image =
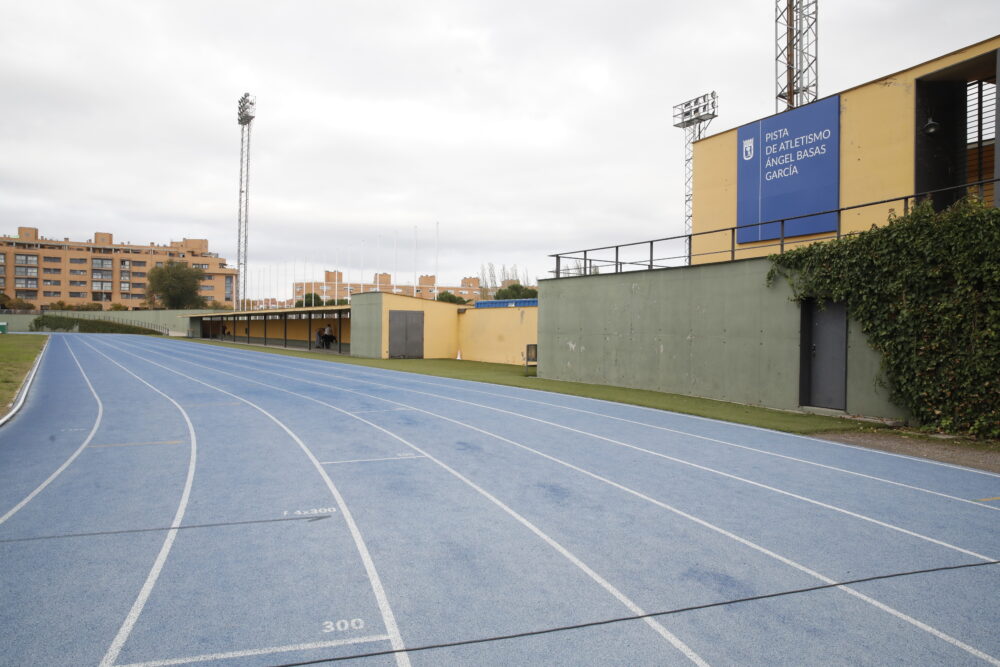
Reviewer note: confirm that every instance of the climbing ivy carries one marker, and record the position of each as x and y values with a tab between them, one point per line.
925	289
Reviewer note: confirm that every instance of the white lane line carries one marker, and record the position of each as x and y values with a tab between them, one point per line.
675	641
350	375
365	412
354	371
258	651
752	545
767	487
74	455
22	392
390	458
864	450
619	443
708	439
402	659
168	541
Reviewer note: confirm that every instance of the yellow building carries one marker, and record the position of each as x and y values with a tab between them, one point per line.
929	128
382	325
45	271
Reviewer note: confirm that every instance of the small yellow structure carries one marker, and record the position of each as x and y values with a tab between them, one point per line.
380	325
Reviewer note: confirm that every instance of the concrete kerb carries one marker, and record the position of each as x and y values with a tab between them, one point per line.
22	392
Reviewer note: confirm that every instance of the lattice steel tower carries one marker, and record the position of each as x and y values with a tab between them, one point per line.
694	116
796	42
246	111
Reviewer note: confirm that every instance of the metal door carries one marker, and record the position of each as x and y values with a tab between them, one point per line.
406	334
824	355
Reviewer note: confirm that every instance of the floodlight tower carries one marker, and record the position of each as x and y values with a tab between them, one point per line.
694	116
796	43
246	111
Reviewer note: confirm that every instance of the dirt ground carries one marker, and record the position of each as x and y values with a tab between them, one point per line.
985	456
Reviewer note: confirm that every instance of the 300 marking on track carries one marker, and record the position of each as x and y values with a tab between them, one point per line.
310	512
343	625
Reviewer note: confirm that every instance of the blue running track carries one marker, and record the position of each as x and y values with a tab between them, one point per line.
164	502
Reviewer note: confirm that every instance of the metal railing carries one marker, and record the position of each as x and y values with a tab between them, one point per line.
644	255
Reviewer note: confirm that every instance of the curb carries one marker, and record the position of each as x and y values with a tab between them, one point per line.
22	393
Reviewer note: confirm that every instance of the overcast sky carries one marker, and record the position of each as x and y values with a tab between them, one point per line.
519	128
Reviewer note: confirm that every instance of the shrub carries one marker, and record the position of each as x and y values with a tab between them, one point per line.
63	323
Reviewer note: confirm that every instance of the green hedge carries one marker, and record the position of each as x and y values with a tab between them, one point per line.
63	323
925	289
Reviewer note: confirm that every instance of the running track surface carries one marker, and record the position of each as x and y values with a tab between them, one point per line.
166	502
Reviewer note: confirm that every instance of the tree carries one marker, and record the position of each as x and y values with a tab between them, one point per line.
492	277
448	297
516	291
21	304
336	302
309	300
118	306
176	285
5	301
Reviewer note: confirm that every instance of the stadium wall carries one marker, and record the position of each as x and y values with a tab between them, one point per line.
715	331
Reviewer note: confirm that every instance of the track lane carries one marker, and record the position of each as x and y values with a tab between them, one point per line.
50	586
868	500
299	379
630	606
250	467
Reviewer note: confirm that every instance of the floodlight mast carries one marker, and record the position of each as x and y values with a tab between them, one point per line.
796	35
694	116
246	111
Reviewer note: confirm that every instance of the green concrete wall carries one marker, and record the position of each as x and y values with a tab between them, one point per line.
366	325
17	323
715	331
867	390
174	320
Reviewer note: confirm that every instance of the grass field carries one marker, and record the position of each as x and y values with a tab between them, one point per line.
17	354
514	376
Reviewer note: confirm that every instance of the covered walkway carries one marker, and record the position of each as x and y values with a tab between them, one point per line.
321	328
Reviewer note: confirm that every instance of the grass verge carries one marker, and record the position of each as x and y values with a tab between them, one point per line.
17	354
514	376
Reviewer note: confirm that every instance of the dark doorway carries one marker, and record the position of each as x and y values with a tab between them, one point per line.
406	334
956	111
823	368
940	154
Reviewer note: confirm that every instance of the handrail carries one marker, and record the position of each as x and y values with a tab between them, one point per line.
653	262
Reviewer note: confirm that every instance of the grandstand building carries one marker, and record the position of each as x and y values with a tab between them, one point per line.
45	271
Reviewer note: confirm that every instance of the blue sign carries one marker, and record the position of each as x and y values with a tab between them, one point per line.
788	166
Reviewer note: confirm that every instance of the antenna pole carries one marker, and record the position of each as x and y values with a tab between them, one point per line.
796	48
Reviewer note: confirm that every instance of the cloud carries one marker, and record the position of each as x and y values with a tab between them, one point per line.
522	129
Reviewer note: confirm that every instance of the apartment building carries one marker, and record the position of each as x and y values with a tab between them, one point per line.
333	287
44	271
